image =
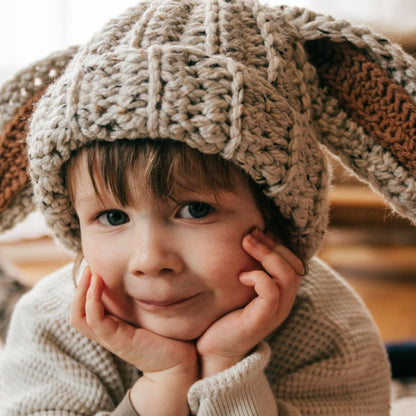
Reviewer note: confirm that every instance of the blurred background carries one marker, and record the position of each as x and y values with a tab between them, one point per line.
374	249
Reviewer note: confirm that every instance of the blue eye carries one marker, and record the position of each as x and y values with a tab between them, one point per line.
195	210
113	218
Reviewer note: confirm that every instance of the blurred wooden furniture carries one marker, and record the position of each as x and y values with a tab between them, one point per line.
375	250
364	234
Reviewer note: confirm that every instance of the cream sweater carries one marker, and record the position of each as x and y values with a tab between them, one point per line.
326	359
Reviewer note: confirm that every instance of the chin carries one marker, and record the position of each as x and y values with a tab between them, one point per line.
180	333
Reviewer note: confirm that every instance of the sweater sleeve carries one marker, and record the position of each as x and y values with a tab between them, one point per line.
240	390
48	368
328	358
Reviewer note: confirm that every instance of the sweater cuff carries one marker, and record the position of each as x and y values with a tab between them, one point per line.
240	390
125	408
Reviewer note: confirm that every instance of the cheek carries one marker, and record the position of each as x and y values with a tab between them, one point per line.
108	264
103	260
221	261
229	252
233	262
223	280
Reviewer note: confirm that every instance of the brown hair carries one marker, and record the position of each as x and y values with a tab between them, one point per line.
167	166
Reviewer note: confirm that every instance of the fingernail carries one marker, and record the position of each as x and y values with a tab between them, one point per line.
251	239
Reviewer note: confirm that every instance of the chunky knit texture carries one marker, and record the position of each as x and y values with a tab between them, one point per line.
326	359
262	87
17	98
13	172
169	72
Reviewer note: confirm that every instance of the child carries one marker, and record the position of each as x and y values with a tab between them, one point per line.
179	155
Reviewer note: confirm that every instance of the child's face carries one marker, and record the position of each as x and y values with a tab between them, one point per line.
168	266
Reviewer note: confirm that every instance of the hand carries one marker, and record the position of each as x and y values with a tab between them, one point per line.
169	366
229	339
144	349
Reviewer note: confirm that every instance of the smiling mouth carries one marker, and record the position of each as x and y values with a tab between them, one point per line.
154	305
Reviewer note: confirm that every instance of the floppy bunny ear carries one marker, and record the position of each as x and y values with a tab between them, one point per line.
364	103
17	99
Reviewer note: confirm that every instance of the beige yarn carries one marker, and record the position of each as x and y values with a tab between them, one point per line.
14	96
159	82
233	78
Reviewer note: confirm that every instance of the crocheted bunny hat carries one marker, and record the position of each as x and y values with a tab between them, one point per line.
260	86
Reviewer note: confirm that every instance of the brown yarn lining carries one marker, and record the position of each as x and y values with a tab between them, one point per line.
369	96
14	174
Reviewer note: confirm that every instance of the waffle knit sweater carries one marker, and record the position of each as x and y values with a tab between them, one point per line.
326	359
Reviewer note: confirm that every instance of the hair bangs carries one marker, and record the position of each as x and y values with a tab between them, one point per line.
165	167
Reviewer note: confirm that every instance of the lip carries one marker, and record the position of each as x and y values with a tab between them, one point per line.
169	304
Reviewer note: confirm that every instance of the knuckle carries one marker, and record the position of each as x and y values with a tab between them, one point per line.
276	262
274	292
92	322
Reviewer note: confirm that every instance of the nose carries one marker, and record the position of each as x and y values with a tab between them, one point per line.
154	253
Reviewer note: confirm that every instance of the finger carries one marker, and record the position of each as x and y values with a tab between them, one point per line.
270	241
94	307
273	303
261	312
78	307
272	261
278	262
113	333
107	328
79	299
264	286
